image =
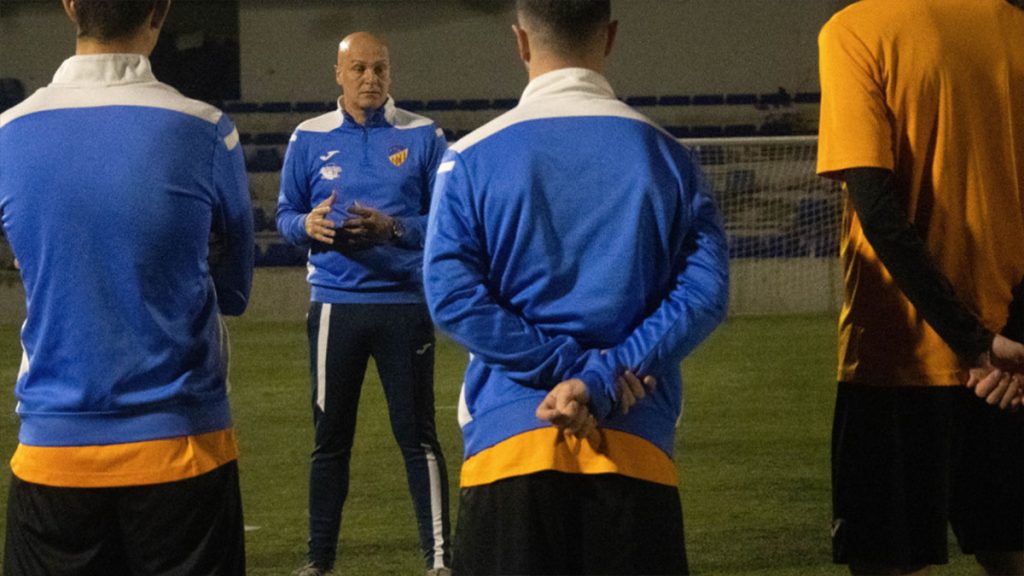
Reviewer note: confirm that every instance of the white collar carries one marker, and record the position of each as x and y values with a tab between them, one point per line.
566	81
104	70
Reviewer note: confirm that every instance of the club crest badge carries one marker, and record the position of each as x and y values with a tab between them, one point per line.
330	172
397	155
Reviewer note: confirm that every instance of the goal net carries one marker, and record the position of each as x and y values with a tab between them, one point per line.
782	221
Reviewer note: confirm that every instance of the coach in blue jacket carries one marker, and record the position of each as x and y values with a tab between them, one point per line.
574	249
356	188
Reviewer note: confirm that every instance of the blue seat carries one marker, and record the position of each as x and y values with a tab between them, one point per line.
474	104
265	160
283	255
775	99
674	100
275	107
637	101
410	105
708	100
12	92
313	107
436	105
504	103
807	98
679	131
707	131
271	138
739	130
237	107
741	99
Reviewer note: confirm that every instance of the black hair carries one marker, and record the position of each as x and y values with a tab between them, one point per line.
107	20
567	25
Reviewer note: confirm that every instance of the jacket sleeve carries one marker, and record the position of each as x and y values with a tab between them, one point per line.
231	269
463	305
416	226
694	306
293	202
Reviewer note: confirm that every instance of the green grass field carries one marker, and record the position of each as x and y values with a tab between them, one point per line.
753	451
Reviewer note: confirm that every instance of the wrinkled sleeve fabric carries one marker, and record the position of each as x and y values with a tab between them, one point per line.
462	304
293	202
416	226
233	222
693	308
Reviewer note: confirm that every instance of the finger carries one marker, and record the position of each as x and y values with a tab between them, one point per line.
546	410
996	394
585	427
1012	392
650	382
635	385
988	383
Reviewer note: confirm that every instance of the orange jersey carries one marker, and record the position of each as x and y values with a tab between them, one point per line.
934	91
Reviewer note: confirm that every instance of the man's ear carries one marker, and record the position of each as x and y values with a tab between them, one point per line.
613	29
522	43
71	10
159	15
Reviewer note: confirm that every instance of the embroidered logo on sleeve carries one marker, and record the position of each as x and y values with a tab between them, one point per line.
397	155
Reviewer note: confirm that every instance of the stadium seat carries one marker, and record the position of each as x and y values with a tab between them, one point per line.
739	130
674	100
637	101
270	138
679	131
314	107
474	104
265	160
274	107
443	105
807	98
708	100
707	131
775	129
741	99
245	138
410	105
237	107
775	99
504	103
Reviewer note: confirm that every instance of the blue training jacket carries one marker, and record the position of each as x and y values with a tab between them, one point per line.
388	163
571	237
111	184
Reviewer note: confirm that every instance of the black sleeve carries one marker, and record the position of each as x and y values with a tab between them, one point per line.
901	249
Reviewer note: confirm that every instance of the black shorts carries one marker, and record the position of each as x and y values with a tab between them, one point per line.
907	461
192	527
556	523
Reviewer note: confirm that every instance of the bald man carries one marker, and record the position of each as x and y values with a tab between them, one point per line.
355	189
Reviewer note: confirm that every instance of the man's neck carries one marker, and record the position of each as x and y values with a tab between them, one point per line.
358	114
135	45
542	64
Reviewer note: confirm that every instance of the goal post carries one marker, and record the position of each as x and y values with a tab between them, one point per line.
782	220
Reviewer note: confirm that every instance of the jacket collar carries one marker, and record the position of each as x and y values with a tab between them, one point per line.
104	70
383	116
568	82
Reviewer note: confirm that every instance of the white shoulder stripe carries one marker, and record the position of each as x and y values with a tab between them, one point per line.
446	167
323	123
231	140
150	95
439	133
554	108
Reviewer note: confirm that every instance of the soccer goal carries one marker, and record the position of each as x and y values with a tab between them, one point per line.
782	221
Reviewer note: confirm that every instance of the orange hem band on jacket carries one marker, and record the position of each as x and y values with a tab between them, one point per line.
604	452
131	464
